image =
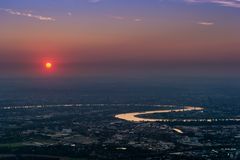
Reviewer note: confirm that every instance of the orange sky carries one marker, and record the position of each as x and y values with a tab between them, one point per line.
147	35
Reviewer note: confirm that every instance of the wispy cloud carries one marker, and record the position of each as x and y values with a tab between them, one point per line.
138	19
117	17
27	14
204	23
121	18
225	3
94	1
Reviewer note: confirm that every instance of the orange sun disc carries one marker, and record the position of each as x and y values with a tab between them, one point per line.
48	65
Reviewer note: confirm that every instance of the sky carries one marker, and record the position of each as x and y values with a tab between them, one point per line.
119	37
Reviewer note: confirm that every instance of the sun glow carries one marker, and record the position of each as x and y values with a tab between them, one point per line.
48	65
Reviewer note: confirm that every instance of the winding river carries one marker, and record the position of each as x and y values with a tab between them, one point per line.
134	117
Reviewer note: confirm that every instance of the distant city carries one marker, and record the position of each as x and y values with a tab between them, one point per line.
145	130
119	80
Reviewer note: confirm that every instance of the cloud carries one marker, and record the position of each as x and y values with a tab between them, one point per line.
121	18
138	20
225	3
206	23
94	1
118	17
28	14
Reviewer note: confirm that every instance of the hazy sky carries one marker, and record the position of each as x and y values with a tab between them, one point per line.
119	37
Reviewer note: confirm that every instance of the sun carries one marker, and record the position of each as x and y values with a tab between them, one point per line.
48	65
